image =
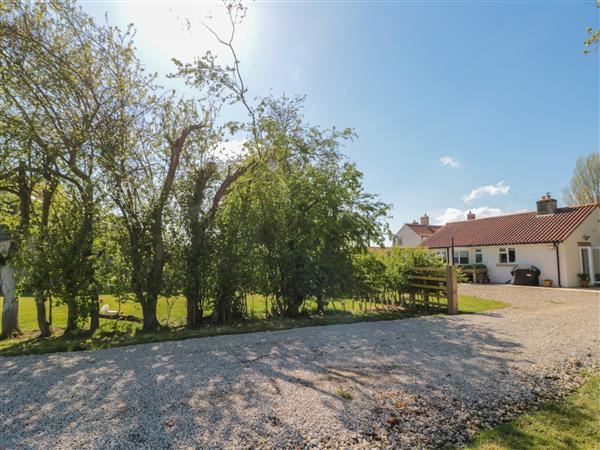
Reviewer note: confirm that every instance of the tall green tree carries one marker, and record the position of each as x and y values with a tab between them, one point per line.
53	60
212	179
312	212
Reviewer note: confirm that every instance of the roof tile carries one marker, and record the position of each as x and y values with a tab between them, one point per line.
424	230
521	228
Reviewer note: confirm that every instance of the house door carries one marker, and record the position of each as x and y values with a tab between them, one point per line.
595	265
590	263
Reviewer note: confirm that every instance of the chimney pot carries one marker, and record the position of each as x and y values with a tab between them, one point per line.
470	216
546	204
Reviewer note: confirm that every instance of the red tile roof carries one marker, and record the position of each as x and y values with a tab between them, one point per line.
423	230
522	228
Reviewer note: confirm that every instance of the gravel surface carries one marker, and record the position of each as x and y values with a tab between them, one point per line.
416	383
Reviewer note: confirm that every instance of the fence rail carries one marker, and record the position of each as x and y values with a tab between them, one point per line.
428	284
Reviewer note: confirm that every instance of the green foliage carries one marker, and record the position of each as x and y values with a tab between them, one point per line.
309	211
369	271
585	183
591	43
381	270
564	424
56	62
114	186
343	394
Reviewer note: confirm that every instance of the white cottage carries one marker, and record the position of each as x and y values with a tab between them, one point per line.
561	242
414	234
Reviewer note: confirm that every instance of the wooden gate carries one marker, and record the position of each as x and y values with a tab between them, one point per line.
429	285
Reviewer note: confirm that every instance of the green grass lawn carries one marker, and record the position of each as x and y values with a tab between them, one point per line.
572	423
171	314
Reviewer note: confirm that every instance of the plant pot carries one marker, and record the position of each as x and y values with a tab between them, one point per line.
585	283
547	283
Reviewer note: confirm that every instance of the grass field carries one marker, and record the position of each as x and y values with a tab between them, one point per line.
171	314
572	423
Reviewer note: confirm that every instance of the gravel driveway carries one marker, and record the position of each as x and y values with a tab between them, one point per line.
425	382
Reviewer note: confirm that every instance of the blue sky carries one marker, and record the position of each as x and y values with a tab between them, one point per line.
457	105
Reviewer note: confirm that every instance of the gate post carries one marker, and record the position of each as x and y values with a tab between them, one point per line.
451	290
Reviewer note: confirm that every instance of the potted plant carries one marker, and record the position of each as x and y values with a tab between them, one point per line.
547	282
585	279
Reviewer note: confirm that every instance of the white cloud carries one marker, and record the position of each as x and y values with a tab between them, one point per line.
492	190
450	161
456	215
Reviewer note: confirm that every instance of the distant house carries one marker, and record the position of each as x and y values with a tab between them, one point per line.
414	234
561	242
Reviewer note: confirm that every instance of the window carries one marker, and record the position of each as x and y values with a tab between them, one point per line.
443	255
461	257
478	256
507	256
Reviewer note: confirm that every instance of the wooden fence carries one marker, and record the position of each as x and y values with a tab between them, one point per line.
429	285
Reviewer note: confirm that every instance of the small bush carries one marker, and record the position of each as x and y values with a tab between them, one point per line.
344	394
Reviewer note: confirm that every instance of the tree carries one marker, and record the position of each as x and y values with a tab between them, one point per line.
591	43
112	184
15	195
54	62
211	181
348	222
311	211
10	307
585	182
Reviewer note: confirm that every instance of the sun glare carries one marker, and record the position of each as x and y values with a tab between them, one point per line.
178	29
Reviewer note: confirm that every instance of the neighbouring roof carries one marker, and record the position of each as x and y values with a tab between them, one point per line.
522	228
423	230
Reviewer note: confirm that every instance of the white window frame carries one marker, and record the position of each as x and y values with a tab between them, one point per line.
506	251
457	257
478	253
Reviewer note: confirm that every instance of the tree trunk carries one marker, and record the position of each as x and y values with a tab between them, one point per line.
140	281
153	282
94	314
321	303
193	311
71	318
293	308
43	324
24	197
149	312
87	236
47	196
10	306
197	250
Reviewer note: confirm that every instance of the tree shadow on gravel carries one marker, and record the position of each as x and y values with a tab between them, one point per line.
255	390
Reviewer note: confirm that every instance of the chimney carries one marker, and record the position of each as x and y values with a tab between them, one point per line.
470	216
425	220
546	204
